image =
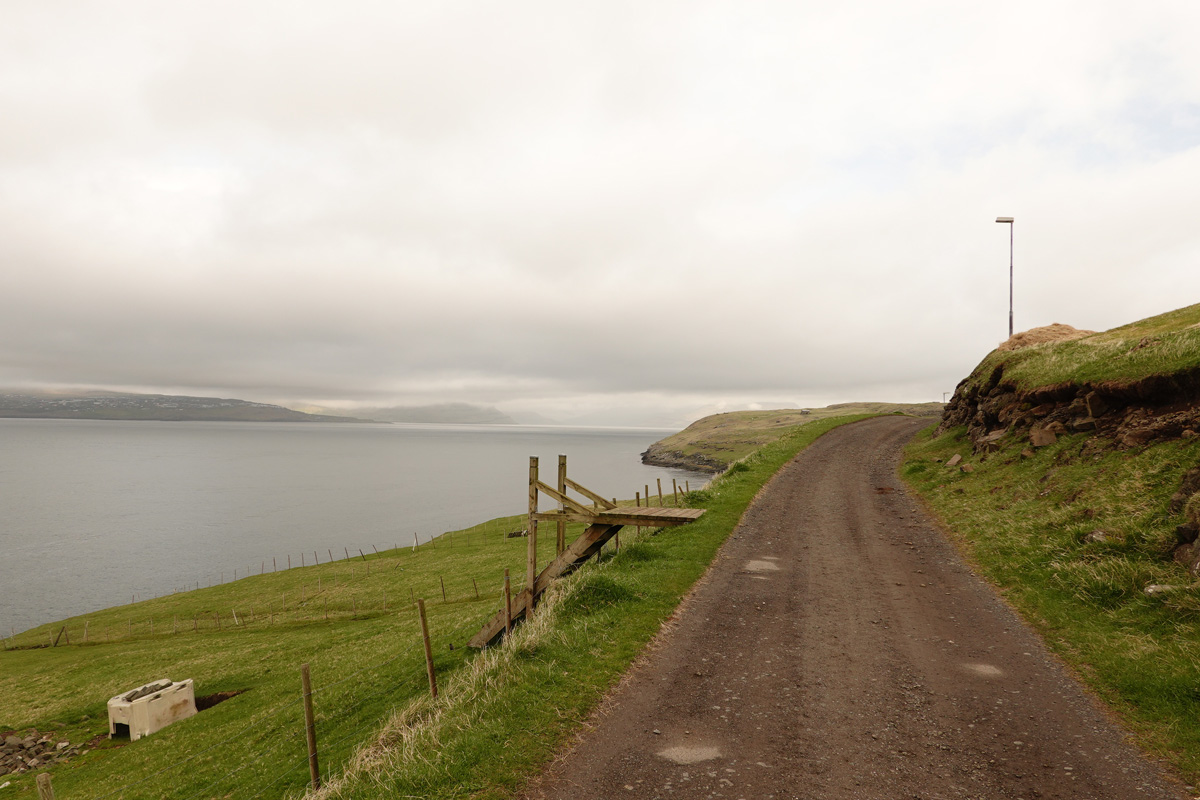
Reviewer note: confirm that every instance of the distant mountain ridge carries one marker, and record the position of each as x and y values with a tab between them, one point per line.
154	407
444	413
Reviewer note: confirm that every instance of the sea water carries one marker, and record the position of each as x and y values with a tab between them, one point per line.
97	513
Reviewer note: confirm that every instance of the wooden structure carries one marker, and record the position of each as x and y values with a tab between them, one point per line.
604	519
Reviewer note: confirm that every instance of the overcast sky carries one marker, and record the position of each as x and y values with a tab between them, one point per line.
636	211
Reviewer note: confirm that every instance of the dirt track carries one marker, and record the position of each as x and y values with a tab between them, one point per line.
840	648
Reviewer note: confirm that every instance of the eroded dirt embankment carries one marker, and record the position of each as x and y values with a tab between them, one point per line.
1155	409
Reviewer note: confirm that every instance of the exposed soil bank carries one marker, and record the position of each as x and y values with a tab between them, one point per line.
1155	409
839	648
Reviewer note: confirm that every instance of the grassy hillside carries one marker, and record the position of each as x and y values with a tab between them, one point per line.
1162	345
500	715
1079	534
716	441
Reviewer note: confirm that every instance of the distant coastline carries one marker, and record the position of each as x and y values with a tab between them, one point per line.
150	407
185	408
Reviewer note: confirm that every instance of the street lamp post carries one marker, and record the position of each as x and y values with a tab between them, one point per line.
1009	221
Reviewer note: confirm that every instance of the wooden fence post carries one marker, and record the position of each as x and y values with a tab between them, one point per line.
562	489
45	789
531	545
310	728
675	491
507	606
428	649
443	583
660	502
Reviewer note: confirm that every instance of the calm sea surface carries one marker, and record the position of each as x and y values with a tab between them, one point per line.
95	512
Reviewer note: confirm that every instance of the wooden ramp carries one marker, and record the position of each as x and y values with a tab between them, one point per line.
604	520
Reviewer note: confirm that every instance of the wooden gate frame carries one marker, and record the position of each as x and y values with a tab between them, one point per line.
604	519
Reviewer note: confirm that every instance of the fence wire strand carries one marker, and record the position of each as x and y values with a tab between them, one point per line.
209	749
286	738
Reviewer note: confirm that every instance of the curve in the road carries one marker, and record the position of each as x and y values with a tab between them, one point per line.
839	647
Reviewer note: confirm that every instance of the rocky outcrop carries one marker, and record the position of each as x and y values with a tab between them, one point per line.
1155	409
1122	416
658	456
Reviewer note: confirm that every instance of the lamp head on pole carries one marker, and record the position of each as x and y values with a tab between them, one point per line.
1004	219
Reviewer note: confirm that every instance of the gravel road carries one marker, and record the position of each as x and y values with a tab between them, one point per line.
840	648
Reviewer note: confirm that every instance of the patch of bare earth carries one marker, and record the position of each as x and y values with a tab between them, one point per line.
1057	332
840	648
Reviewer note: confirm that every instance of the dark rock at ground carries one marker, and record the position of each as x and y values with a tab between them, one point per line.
34	750
658	456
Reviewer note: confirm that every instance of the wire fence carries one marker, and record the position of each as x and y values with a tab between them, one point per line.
273	743
270	750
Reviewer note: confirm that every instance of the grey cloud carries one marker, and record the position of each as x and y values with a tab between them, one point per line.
580	206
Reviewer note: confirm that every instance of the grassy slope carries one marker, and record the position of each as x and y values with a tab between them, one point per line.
500	717
1172	345
1025	523
1029	524
727	437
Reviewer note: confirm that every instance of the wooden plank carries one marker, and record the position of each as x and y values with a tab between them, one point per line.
626	515
563	499
588	493
584	547
495	626
615	517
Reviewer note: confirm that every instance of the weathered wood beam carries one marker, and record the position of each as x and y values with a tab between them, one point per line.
588	493
562	498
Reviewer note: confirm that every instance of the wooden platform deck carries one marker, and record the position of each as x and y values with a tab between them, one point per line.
645	516
604	520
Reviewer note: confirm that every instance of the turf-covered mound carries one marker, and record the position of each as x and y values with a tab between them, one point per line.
1130	386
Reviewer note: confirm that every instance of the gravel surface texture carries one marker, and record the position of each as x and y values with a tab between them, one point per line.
839	647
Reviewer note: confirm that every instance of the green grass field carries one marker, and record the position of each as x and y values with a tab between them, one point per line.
500	717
